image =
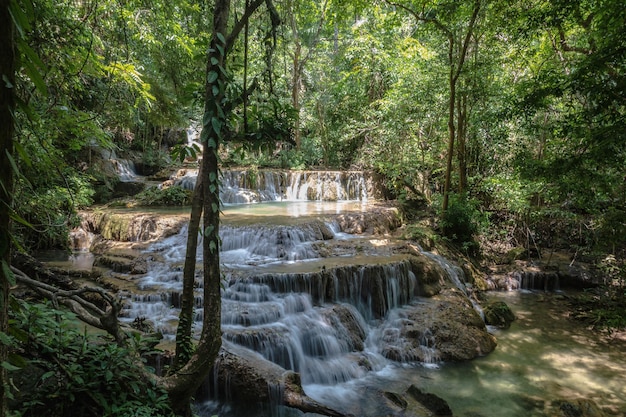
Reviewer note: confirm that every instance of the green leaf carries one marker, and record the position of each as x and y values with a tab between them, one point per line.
9	367
216	90
220	49
12	162
214	60
212	246
212	176
24	155
206	119
47	375
6	271
217	125
30	67
221	38
220	111
214	207
212	77
209	229
20	19
212	144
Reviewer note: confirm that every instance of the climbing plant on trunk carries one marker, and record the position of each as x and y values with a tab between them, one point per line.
206	204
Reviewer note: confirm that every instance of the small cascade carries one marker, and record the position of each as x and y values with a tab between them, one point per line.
537	280
289	331
457	276
193	136
241	186
390	342
125	168
373	290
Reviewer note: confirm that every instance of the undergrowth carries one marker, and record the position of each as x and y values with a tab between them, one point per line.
57	370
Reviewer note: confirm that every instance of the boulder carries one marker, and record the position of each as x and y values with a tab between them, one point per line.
437	405
445	327
575	408
243	376
430	275
346	319
378	221
498	313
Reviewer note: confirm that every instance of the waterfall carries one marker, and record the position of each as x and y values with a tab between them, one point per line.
457	276
314	322
255	186
125	168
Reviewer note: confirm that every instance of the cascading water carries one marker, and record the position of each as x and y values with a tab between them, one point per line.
241	186
125	168
345	319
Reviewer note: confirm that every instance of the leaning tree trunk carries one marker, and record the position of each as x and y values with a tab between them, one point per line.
7	108
184	382
184	342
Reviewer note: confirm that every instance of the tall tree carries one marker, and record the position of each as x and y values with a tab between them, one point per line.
298	11
7	110
457	25
206	203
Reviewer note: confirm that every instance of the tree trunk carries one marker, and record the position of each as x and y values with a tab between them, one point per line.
461	135
185	319
7	108
451	129
455	72
295	91
183	384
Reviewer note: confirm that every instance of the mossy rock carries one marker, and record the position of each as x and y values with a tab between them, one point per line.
498	313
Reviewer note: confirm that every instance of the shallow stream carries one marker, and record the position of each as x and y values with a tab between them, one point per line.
543	357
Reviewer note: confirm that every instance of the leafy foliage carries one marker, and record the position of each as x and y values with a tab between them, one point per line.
462	222
171	196
75	373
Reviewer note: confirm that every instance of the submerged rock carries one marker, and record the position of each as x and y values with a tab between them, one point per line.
437	405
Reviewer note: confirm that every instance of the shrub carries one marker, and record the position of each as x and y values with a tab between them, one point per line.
171	196
462	221
74	373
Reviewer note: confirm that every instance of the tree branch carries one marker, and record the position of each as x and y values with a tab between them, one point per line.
85	310
241	23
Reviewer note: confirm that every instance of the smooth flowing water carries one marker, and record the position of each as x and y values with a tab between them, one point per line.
276	253
543	357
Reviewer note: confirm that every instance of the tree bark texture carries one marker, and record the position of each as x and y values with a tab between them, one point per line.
7	126
185	318
182	385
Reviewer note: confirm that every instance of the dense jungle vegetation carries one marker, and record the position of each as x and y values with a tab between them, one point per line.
506	118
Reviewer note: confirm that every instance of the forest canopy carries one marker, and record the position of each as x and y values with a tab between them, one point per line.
537	111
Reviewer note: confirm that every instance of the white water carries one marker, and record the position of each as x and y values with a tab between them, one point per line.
243	186
542	357
125	168
282	315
